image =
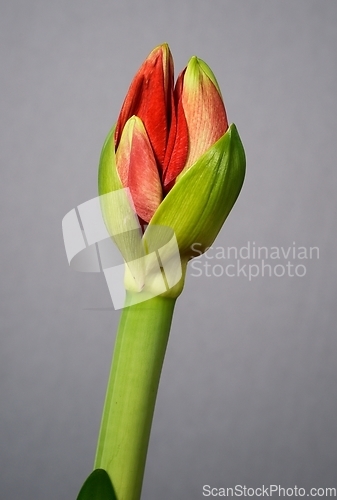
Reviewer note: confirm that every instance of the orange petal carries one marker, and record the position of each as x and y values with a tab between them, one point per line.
137	168
203	107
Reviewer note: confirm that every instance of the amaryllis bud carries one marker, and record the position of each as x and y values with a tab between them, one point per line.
173	149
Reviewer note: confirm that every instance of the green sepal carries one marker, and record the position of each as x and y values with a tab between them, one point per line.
117	209
97	486
200	201
108	179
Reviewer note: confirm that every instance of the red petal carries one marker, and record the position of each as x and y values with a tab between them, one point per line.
149	97
137	169
177	147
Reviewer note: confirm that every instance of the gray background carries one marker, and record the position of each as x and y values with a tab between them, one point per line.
249	387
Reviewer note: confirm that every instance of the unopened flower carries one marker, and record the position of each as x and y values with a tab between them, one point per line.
173	149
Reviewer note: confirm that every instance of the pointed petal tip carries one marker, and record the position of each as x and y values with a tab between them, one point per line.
197	69
162	50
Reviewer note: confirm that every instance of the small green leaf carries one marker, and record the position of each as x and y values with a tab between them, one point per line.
97	486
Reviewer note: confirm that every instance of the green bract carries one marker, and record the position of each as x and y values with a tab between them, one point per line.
118	214
200	201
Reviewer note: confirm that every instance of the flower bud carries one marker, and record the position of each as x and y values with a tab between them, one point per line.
173	149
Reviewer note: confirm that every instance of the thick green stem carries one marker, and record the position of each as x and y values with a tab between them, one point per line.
131	394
